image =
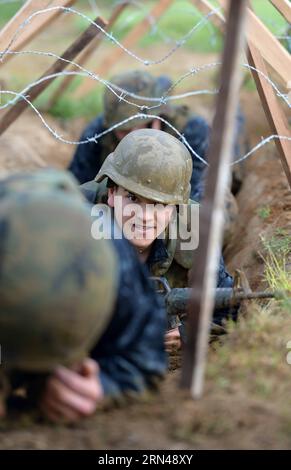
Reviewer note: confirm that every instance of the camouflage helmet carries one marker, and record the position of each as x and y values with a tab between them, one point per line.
140	83
57	284
152	164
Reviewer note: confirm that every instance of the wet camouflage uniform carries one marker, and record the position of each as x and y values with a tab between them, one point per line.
140	148
63	294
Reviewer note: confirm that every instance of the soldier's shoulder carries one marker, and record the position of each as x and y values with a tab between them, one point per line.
95	192
196	124
89	190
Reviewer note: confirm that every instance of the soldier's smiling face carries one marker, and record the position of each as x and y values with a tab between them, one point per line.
141	219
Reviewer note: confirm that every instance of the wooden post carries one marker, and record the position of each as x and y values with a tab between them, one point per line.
84	56
284	7
205	7
29	32
273	111
129	42
271	49
78	45
206	257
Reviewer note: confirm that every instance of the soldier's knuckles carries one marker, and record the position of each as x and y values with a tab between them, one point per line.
91	366
55	390
95	390
89	407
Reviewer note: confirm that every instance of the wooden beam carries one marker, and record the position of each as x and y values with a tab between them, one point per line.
129	42
284	7
217	18
78	45
273	111
29	32
268	45
206	257
84	56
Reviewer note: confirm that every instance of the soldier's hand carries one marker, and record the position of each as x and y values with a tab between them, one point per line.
173	340
70	395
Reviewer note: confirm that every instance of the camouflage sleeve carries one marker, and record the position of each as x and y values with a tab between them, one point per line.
224	279
85	163
131	352
197	133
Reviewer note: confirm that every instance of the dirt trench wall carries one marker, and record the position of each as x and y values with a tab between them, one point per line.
28	145
264	207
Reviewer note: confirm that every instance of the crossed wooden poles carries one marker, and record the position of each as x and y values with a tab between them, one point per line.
262	48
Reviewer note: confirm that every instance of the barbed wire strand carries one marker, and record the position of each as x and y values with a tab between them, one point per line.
83	74
124	93
149	17
153	22
260	145
109	35
192	71
161	100
96	137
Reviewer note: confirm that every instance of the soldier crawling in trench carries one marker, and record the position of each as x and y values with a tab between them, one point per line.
77	383
151	168
89	157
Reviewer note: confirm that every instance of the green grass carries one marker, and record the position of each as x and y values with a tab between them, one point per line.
7	10
253	356
277	256
270	16
66	107
178	20
264	212
279	243
253	350
175	23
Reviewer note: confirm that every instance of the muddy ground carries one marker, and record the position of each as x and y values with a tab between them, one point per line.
231	414
170	420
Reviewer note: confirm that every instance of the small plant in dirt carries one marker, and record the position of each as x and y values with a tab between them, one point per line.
277	258
264	212
252	357
280	242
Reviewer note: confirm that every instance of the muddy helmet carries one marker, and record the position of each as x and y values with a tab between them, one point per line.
152	164
141	84
57	284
